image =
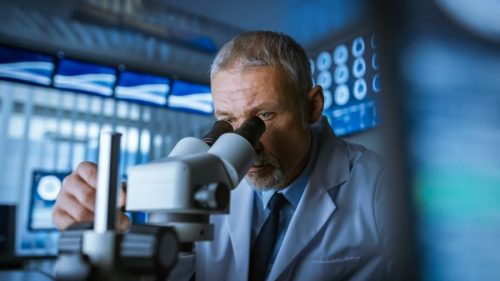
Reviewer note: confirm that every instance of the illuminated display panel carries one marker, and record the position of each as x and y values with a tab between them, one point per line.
85	77
26	66
44	190
191	97
142	88
348	71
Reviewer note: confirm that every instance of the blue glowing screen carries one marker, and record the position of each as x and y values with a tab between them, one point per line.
348	71
143	88
191	97
44	190
26	66
85	77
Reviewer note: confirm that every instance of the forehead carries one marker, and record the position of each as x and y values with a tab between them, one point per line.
250	86
243	78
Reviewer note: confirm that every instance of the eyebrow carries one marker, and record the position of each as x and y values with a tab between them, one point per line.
219	113
262	106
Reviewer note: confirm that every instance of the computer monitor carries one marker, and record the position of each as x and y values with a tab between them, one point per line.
26	66
348	71
39	236
142	88
85	77
191	97
44	190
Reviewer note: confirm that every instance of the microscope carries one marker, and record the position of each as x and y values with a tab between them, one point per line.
178	192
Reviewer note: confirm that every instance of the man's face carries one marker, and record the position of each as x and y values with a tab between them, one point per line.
239	94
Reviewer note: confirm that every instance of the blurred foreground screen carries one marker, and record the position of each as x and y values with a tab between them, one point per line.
445	63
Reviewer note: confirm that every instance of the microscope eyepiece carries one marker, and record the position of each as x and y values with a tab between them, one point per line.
219	128
252	129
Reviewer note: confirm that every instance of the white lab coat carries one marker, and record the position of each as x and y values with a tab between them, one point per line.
334	234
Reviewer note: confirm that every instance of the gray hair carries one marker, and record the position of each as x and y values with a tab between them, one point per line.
267	48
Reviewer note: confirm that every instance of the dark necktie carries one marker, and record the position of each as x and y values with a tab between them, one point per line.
264	245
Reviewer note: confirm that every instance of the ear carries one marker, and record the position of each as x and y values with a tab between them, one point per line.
316	101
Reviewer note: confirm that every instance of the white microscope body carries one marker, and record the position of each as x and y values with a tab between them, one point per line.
195	180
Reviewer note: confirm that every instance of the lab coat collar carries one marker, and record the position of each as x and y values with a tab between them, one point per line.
316	206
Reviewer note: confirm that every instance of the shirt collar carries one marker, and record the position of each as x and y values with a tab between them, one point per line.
293	192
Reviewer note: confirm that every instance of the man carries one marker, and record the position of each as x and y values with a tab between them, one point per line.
328	224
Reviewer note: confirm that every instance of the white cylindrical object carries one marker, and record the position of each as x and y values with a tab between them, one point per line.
236	153
189	145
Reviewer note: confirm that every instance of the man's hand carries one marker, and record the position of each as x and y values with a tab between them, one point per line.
76	201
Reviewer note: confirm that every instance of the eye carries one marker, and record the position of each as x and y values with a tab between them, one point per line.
223	118
266	115
230	120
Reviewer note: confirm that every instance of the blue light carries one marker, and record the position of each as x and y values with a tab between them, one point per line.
340	55
350	104
324	79
341	74
26	66
358	47
143	88
341	95
360	89
45	187
359	67
191	97
85	77
376	83
324	61
375	61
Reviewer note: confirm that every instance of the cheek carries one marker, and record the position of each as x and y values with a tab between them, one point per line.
279	142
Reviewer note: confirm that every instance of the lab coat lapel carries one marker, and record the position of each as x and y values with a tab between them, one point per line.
316	206
239	225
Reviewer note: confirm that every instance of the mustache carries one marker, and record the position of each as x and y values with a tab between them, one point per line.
263	160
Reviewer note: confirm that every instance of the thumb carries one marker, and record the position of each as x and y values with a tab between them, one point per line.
123	222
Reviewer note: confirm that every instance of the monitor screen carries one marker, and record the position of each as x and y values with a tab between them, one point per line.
142	88
26	66
191	97
348	71
85	77
44	190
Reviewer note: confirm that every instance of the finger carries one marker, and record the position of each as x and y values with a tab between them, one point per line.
74	208
123	221
61	219
88	172
81	190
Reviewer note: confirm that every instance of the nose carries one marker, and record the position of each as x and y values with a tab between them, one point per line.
258	147
236	124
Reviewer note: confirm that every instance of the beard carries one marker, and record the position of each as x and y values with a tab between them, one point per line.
268	177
